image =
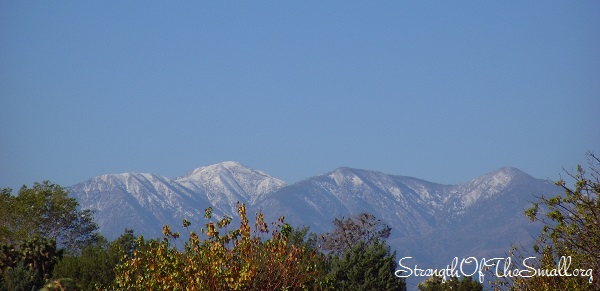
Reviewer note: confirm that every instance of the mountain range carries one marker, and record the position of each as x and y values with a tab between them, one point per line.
430	222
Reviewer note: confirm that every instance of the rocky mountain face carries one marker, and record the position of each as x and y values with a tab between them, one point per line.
430	222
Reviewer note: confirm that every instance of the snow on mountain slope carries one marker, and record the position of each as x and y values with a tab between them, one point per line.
227	183
461	197
146	202
430	222
317	201
483	218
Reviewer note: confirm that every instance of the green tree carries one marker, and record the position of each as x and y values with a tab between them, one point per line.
21	277
366	267
28	264
359	258
7	221
46	210
125	245
94	267
571	230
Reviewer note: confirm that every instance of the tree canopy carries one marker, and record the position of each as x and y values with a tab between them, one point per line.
571	232
366	267
216	259
45	210
38	226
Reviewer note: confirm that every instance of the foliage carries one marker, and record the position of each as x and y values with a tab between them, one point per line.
94	267
359	258
29	264
234	260
435	284
124	245
7	221
571	230
348	232
21	277
300	236
45	210
63	285
366	266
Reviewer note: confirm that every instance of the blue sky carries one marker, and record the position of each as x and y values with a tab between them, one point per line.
440	90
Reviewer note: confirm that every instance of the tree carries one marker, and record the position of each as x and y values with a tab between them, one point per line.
29	264
45	210
124	245
359	258
21	277
435	284
237	259
348	232
571	230
366	266
7	222
94	267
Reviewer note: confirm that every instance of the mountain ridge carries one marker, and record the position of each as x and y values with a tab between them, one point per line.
455	219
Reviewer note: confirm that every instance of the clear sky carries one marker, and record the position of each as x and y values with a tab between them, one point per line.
440	90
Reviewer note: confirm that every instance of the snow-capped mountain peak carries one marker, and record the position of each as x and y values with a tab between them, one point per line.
145	201
229	182
233	176
486	186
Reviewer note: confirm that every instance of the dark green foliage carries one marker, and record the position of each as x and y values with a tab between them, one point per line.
359	258
6	220
28	264
301	237
94	267
366	267
464	284
125	244
21	277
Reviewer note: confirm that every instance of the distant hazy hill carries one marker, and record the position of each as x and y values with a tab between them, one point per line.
430	222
